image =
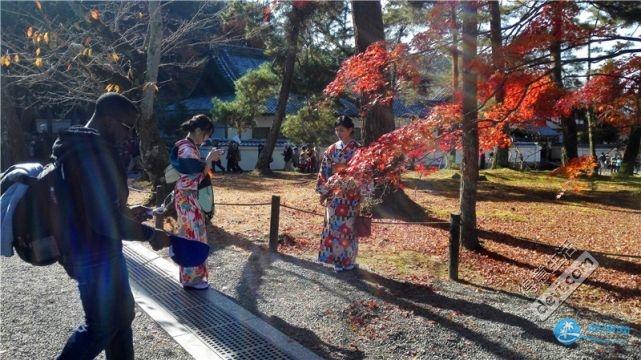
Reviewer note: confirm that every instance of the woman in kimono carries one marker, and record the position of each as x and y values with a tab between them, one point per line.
191	220
339	245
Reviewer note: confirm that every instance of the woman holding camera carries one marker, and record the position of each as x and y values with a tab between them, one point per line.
191	219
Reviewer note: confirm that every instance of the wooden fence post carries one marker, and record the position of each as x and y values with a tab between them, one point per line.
455	232
159	215
273	224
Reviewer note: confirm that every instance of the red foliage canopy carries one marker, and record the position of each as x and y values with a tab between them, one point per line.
528	97
612	94
368	73
555	23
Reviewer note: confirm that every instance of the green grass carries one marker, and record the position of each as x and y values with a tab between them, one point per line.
439	213
405	262
539	180
618	184
543	180
502	215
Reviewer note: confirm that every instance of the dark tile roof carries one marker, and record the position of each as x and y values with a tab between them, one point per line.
400	108
235	61
544	131
403	110
203	104
294	103
347	108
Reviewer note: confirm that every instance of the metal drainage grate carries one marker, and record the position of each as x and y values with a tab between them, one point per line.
133	256
140	273
224	334
259	353
205	316
159	285
234	338
180	300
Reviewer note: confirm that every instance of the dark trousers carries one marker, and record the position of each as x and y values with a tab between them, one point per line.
232	166
109	311
219	164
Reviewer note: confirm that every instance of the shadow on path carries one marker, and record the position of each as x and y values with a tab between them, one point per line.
622	292
604	260
407	296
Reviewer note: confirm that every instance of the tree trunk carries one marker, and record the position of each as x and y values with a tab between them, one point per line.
153	151
470	164
13	149
454	49
589	115
367	17
570	143
454	52
288	74
631	151
568	125
500	158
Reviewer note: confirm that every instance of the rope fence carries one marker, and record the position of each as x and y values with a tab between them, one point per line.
373	221
302	210
159	217
454	225
233	204
409	222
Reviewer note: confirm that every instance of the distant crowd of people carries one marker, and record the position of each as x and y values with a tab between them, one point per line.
611	164
305	159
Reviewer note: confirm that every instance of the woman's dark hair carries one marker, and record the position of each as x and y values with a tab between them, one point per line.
344	121
200	121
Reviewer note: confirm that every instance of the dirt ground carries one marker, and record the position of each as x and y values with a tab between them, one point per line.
521	225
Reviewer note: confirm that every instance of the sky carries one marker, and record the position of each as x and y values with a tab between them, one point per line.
632	31
584	16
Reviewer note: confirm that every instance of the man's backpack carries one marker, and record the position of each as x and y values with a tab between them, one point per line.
36	216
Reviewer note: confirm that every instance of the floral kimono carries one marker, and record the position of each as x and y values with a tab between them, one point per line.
339	245
191	220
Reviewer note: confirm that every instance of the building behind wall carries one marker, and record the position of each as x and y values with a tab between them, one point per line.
227	64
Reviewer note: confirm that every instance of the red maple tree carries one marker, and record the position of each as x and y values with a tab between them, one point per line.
531	95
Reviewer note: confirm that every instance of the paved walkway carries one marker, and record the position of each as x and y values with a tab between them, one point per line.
338	316
40	308
206	323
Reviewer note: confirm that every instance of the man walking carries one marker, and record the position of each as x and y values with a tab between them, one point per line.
233	157
288	156
94	193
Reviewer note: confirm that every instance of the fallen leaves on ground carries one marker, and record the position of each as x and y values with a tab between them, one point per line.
520	222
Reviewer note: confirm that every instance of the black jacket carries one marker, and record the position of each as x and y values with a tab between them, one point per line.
288	154
94	196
